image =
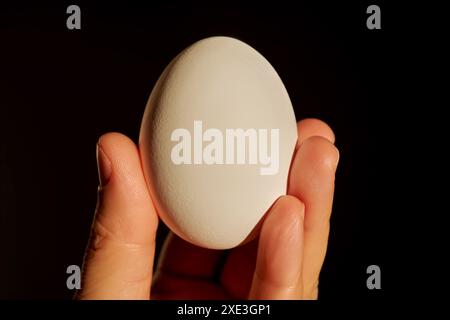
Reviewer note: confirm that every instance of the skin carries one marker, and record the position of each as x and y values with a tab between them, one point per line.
283	262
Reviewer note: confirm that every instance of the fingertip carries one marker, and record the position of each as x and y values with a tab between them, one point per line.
280	252
112	140
318	153
314	127
120	149
126	168
288	210
124	202
283	224
324	153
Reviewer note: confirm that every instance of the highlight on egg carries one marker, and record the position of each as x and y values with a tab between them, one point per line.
217	139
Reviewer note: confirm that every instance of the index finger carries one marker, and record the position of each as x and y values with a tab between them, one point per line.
312	180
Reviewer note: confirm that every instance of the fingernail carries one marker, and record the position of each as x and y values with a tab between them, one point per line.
337	159
104	166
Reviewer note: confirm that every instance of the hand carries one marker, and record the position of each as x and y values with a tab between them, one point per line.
284	262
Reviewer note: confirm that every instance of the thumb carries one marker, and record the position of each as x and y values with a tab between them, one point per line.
119	258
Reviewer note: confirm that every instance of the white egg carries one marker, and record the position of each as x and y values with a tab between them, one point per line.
217	140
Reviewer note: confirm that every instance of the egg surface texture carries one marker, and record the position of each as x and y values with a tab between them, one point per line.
217	139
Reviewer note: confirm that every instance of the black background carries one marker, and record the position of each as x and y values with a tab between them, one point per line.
61	89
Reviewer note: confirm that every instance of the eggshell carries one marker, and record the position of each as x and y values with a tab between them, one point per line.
224	84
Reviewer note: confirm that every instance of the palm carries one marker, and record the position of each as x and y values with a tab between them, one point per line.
189	272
